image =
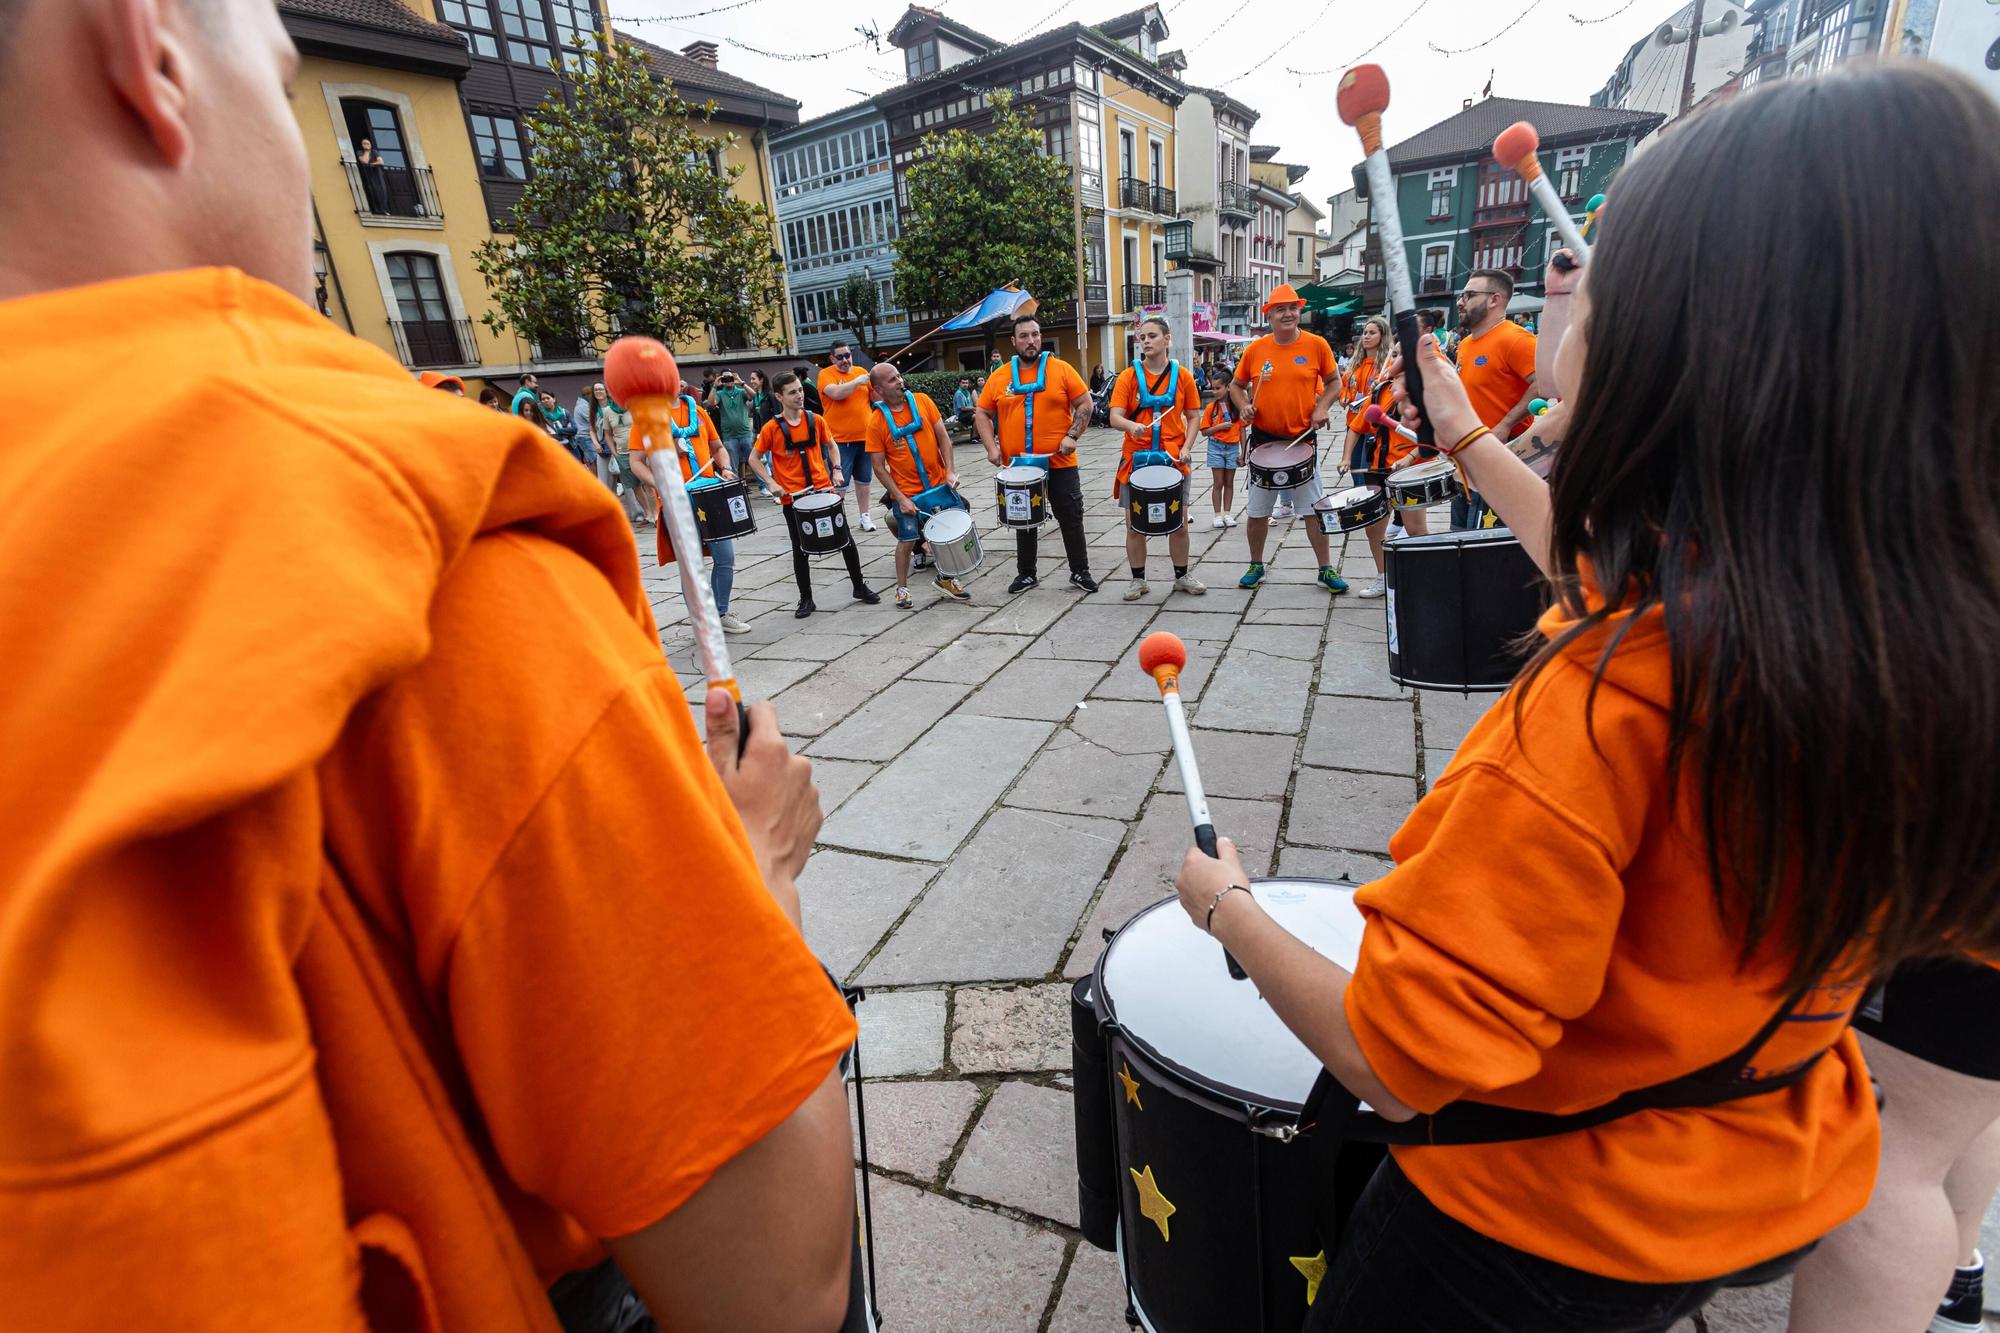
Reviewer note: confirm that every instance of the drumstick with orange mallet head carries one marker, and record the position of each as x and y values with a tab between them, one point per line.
1515	148
641	373
1161	656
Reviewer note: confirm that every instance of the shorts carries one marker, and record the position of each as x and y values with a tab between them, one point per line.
1944	1011
907	527
1260	502
1223	457
856	463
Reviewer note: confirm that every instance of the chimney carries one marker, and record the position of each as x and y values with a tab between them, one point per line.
702	53
1466	105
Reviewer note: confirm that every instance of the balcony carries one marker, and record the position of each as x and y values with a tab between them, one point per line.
1232	197
1238	291
395	196
424	343
566	346
1165	202
1139	294
1133	193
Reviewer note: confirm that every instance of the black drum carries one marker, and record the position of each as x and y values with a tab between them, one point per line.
1191	1162
1280	467
1458	604
1023	492
1156	500
819	523
1356	507
721	509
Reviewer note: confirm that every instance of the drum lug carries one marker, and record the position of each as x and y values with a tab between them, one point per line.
1274	1125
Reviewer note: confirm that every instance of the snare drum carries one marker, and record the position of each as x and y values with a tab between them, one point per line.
1355	507
1156	500
721	509
1458	605
954	542
1024	495
1421	485
1280	467
819	523
1189	1090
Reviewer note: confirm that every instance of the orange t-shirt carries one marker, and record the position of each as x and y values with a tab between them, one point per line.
846	417
347	705
1299	372
1496	368
902	469
794	468
1578	954
707	446
1173	426
1356	386
1219	421
1062	388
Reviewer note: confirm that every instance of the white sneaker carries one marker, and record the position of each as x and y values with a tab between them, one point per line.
1220	522
1283	509
1191	585
1375	587
731	625
1228	520
1135	590
867	523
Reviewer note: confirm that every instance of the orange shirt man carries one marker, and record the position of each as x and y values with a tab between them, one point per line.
700	454
1165	423
360	851
1036	404
915	457
843	392
799	449
1496	363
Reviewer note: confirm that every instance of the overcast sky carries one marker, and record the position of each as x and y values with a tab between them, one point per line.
1247	48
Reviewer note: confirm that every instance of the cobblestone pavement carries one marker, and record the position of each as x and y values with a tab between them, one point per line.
998	789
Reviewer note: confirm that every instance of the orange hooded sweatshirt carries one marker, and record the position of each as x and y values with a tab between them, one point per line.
351	974
1548	940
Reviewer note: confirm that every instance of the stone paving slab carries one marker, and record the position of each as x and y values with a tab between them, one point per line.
1093	1294
1046	689
765	678
902	1033
1358	811
1294	641
838	779
1202	625
926	800
1125	728
889	722
939	623
1029	612
1257	692
946	1266
1004	906
971	659
1124	680
1319	863
810	647
817	704
1358	668
1376	736
1238	763
912	1127
1076	776
1094	633
1021	1028
848	903
1447	717
1022	1153
1152	858
1435	764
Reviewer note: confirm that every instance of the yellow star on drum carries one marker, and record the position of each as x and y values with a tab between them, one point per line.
1313	1268
1153	1204
1131	1086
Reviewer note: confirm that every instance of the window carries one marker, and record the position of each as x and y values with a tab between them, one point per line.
1437	268
1301	252
921	59
1131	260
1501	188
526	31
498	142
1570	163
1127	151
574	19
474	18
1055	142
428	334
1154	151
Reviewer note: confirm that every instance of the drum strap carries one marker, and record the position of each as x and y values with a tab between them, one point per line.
684	436
1028	391
907	435
1154	401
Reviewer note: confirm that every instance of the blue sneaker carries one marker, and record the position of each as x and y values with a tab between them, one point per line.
1329	578
1252	576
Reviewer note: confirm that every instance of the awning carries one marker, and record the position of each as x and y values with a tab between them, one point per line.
1229	339
1000	303
1330	300
1524	304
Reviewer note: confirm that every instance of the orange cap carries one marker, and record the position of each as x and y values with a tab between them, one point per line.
1283	294
436	379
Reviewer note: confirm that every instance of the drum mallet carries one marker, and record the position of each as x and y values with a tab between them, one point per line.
1515	148
1161	656
640	372
1381	420
1362	97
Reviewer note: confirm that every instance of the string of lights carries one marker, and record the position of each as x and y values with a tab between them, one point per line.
1478	46
1581	20
1294	37
1042	22
1349	63
692	14
1220	26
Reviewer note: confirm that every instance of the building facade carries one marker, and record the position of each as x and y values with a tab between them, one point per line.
1303	239
1218	197
1797	37
1461	210
1653	74
837	219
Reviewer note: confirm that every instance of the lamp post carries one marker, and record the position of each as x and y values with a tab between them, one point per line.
322	264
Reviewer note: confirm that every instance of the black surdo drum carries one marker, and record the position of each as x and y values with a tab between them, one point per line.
1458	603
1156	500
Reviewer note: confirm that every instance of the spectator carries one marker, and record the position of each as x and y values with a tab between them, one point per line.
601	460
437	379
490	397
374	176
807	377
964	401
1100	405
531	408
732	407
585	443
614	437
560	425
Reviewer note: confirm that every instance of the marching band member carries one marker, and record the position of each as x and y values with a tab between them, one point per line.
1375	454
1154	402
909	436
799	447
697	447
1035	404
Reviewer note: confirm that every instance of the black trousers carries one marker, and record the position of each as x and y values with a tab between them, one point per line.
802	563
1066	500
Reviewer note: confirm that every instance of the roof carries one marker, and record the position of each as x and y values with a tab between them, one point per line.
1222	99
385	15
1263	152
916	14
683	72
1130	21
916	89
1471	132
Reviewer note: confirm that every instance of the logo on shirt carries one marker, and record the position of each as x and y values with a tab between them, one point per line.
1298	361
1478	360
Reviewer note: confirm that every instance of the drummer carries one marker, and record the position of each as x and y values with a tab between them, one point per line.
1295	398
1374	454
1670	852
800	449
1033	385
1156	404
907	433
699	447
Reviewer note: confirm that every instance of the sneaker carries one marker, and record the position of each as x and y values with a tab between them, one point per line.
1281	510
1081	579
1191	585
1229	520
903	602
922	560
806	608
1252	576
1022	582
949	586
1136	589
731	625
867	523
1959	1311
864	593
1220	522
1374	588
1329	578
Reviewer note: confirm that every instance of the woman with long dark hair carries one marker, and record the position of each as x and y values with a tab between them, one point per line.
1751	768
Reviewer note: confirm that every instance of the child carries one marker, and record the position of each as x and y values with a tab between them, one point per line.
1224	433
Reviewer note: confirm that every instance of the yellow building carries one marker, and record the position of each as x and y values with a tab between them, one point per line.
1140	199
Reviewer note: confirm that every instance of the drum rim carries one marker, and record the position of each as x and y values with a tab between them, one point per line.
1030	476
970	525
1237	1103
1307	451
823	500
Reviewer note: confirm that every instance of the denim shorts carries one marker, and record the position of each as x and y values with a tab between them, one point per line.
1223	456
907	527
856	463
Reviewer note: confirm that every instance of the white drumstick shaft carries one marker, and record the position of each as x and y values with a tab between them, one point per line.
1552	204
678	514
1177	728
1389	230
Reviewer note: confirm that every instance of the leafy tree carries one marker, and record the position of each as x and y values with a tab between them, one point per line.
986	209
627	215
858	304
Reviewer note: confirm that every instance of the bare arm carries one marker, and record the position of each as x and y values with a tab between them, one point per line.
1558	286
1239	399
943	440
1519	410
840	392
982	426
758	466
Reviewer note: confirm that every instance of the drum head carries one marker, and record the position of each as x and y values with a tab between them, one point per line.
1354	497
1020	476
1436	467
1165	981
1281	455
813	504
1157	478
947	526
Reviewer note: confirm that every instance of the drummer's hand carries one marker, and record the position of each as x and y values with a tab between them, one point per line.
772	789
1560	281
951	480
993	457
1068	446
1203	876
905	505
839	482
1445	402
1319	417
726	475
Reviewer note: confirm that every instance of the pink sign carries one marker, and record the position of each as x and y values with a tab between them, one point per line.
1204	317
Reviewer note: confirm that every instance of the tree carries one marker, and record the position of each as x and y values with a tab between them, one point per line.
626	216
858	302
986	209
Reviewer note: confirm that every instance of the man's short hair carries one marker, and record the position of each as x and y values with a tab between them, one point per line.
786	381
1019	320
838	345
1499	277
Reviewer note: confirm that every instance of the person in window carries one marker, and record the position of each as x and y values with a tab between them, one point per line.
374	176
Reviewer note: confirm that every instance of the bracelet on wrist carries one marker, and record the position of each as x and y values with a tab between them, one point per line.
1470	437
1209	923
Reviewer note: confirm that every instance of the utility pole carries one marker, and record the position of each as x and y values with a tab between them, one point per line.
1694	41
1082	268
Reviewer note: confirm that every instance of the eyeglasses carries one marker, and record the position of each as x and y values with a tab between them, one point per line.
1468	294
843	356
